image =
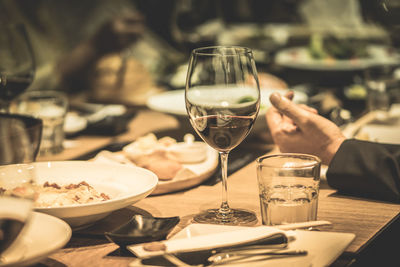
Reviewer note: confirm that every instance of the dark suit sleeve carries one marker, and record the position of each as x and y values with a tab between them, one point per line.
366	169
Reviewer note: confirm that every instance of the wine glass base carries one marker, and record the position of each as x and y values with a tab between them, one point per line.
236	217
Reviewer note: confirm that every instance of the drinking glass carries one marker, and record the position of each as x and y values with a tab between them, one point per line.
289	187
17	65
51	106
222	99
19	144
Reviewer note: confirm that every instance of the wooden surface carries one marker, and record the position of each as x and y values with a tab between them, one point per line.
365	218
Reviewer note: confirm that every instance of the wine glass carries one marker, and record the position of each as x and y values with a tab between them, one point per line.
17	64
222	100
19	144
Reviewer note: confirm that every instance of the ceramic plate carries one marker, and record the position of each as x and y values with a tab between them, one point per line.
124	184
299	58
202	171
381	133
173	102
43	236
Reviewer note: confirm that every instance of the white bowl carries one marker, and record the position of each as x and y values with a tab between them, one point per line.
124	184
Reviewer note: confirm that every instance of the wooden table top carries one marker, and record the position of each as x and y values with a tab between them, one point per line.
365	218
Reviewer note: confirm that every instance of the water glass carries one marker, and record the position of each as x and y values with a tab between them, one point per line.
288	187
50	106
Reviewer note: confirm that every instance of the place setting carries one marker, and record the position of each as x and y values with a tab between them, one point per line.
70	197
288	188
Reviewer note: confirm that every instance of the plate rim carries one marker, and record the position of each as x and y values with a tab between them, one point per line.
150	102
54	245
189	182
318	65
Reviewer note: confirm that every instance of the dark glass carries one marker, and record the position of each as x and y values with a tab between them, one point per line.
20	137
17	64
9	229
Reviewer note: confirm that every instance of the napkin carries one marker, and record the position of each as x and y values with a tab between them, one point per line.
237	237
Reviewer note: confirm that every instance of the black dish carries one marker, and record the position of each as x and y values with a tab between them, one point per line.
141	229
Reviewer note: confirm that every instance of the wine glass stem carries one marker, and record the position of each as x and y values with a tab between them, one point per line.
224	210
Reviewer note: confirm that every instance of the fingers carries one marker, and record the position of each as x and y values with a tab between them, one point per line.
289	95
288	108
274	118
308	108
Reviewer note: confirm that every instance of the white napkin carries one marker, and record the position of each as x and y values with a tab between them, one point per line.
209	241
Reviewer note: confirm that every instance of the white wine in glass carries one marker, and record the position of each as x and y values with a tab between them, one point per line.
222	99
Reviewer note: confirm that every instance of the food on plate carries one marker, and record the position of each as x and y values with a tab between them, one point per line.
159	162
188	151
152	153
106	156
165	156
333	47
55	195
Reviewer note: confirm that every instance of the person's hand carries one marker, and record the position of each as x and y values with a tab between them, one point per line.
118	34
299	129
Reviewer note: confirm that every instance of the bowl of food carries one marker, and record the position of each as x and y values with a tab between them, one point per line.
83	192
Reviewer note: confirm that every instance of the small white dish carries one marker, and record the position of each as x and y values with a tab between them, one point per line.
44	235
74	123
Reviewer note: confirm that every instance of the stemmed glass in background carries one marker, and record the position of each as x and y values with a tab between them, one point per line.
17	65
19	144
222	100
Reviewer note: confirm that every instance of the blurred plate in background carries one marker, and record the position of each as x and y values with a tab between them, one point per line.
300	58
173	103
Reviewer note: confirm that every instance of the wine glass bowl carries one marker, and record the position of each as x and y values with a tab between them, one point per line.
222	98
17	64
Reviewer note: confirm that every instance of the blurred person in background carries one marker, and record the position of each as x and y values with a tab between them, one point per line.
102	48
355	167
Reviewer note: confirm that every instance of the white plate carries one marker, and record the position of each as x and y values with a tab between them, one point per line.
124	184
43	236
381	133
299	58
202	170
323	247
74	123
173	102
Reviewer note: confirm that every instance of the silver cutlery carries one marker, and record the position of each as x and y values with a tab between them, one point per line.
231	256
